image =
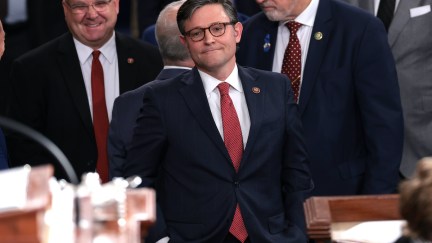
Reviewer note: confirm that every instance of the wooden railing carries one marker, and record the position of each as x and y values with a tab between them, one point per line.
322	212
122	216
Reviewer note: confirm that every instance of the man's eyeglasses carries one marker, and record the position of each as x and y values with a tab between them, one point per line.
82	8
216	29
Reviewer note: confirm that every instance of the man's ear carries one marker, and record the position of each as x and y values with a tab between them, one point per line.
238	30
183	40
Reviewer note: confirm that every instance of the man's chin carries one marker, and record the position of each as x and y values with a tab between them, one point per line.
272	16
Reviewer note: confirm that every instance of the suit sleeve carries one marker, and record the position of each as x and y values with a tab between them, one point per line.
116	146
3	152
296	177
377	92
145	154
27	106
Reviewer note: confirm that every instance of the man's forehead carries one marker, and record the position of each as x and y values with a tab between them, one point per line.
207	15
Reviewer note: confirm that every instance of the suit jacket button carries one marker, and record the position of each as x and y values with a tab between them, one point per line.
236	183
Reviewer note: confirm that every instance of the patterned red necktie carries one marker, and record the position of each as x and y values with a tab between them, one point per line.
234	143
100	116
291	65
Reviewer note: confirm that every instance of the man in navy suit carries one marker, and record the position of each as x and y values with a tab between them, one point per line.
409	37
127	106
349	99
52	90
179	147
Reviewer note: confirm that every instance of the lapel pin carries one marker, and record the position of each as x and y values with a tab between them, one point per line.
318	35
130	60
256	90
267	44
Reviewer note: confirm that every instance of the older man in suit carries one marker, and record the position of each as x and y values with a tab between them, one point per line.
66	88
409	36
346	83
222	143
127	106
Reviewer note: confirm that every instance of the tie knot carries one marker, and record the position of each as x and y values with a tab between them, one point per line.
224	88
293	26
96	54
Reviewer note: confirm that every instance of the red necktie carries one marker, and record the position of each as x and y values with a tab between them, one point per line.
234	143
100	116
291	65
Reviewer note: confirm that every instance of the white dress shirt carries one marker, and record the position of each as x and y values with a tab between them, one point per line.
237	96
307	19
108	59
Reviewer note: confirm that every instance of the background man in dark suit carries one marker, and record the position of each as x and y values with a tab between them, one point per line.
349	98
127	106
212	174
409	36
148	12
52	84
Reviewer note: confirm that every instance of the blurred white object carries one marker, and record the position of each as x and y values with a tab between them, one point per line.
14	183
368	232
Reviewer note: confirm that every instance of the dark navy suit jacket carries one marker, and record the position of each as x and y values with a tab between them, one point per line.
3	152
349	100
125	112
177	142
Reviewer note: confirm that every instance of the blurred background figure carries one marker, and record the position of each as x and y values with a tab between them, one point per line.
416	204
409	37
3	150
2	40
127	106
28	24
65	89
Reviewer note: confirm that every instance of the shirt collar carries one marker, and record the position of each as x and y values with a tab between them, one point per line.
307	17
176	67
210	83
108	50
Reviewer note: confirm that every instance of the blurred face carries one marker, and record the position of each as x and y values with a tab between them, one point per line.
282	10
213	55
92	25
2	40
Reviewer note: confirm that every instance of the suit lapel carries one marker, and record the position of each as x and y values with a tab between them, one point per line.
71	69
194	95
316	52
127	64
255	104
400	19
269	33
